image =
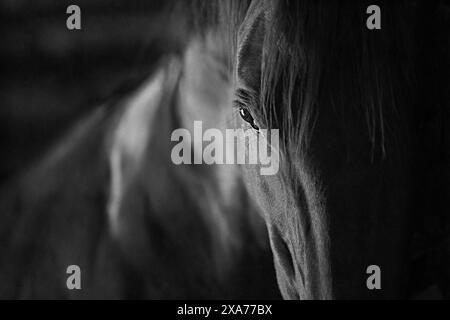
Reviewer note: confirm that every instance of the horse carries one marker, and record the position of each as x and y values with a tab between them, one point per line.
108	199
362	118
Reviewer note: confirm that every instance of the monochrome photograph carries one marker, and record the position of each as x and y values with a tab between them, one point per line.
225	150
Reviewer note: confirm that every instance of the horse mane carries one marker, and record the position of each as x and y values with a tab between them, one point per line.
320	53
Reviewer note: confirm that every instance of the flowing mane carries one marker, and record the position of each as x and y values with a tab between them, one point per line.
324	48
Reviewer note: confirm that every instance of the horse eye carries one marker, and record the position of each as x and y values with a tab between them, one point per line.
246	116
